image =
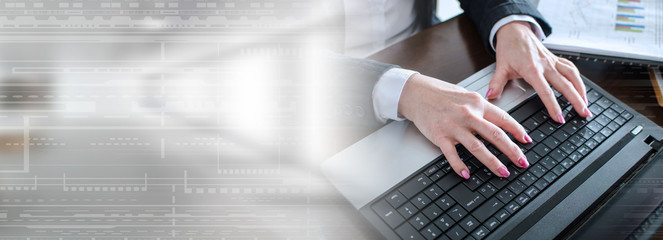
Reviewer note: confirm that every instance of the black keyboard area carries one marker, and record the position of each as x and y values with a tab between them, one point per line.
436	203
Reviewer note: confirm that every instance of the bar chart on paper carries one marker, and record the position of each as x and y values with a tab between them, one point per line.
618	28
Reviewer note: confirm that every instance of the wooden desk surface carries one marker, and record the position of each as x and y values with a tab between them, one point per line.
452	51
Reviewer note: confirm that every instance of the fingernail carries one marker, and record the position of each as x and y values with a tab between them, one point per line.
523	162
528	139
588	113
505	173
560	118
465	174
490	90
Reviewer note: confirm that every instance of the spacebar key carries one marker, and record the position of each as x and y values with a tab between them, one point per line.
528	109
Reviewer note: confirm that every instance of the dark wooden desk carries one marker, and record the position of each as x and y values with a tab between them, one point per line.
452	51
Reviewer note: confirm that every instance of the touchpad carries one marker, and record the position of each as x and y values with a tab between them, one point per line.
514	92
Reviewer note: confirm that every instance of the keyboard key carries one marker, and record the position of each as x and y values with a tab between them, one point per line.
570	128
527	178
480	233
561	135
540	117
420	201
594	126
541	183
617	108
388	213
550	177
432	211
548	162
604	102
484	174
567	147
449	181
406	231
620	121
596	109
627	115
487	190
505	195
584	150
538	136
558	170
407	210
610	113
542	149
592	96
491	224
469	223
527	110
445	202
433	192
516	187
577	140
473	182
431	232
502	215
414	186
547	128
532	157
444	222
613	126
591	144
431	170
602	120
457	212
558	155
567	163
456	233
575	156
419	221
537	170
522	199
396	199
512	207
532	191
606	131
551	142
488	209
437	175
531	124
466	198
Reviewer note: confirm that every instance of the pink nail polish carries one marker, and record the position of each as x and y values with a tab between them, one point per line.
502	170
528	139
588	113
465	174
490	90
523	162
560	118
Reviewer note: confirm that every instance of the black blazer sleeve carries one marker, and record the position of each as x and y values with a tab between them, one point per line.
485	13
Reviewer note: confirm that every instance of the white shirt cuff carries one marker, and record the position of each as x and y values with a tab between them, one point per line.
387	93
536	28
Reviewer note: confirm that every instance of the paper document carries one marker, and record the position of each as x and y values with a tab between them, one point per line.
619	28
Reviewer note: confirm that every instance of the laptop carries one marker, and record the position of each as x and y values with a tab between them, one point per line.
579	183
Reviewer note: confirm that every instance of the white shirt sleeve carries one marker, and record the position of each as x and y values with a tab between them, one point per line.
387	93
512	18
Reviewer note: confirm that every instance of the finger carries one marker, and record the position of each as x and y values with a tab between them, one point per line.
496	85
546	94
449	151
503	120
569	70
566	88
500	140
476	148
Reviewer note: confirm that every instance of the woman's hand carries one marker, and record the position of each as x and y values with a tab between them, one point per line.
448	114
520	54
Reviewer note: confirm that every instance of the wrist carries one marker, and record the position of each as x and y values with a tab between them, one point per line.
515	28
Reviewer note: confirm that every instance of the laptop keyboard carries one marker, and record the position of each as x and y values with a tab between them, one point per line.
437	204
